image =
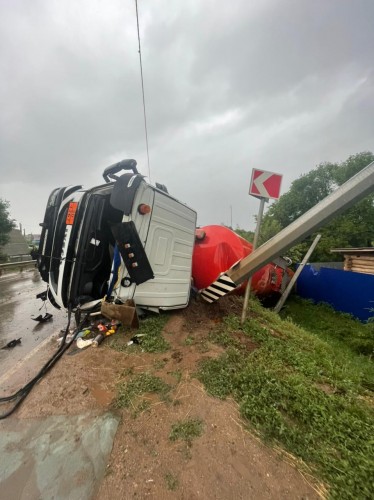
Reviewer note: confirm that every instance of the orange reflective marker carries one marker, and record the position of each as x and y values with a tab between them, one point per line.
73	205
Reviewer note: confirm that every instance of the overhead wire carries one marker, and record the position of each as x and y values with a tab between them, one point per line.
143	93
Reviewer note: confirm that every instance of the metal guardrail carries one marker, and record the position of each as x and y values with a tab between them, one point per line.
17	266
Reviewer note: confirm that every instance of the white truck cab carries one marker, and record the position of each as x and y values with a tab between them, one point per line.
124	239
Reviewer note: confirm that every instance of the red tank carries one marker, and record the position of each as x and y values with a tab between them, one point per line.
217	248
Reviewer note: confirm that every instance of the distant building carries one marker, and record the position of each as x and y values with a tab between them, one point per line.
17	249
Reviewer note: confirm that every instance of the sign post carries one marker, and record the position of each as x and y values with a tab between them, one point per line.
264	185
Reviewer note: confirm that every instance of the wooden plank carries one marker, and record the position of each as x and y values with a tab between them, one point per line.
359	263
366	268
363	250
362	261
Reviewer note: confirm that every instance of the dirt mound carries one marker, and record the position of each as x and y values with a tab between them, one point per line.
225	461
200	311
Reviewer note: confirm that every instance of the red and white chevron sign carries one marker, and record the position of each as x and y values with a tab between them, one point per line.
265	184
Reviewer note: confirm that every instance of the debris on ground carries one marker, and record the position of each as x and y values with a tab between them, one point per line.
12	343
43	319
125	313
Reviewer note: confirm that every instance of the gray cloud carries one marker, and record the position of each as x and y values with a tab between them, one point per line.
279	85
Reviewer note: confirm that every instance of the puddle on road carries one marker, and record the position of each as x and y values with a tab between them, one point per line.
18	303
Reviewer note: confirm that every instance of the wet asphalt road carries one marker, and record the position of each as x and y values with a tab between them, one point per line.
17	306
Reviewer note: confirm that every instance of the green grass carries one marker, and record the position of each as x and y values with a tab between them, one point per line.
159	364
303	392
144	383
201	344
171	481
186	430
190	340
331	326
152	341
177	374
141	407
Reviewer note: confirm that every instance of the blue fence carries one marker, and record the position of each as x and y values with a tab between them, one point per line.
344	290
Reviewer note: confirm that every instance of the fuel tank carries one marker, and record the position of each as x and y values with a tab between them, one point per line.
217	248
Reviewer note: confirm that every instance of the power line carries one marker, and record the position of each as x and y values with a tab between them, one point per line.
142	79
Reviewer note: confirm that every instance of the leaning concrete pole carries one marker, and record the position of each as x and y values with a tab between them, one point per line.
356	188
290	285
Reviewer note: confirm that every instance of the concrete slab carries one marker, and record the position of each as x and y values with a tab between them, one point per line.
57	457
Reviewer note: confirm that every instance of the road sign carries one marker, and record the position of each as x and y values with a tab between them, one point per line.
265	184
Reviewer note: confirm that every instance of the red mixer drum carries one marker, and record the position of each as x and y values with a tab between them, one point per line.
217	248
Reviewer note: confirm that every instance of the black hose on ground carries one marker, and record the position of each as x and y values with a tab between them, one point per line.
22	393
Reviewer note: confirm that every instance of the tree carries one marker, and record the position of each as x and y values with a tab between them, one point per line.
6	223
354	228
247	235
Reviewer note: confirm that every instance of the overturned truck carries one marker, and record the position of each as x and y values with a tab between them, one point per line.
126	239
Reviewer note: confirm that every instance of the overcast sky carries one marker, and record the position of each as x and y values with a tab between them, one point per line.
280	85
